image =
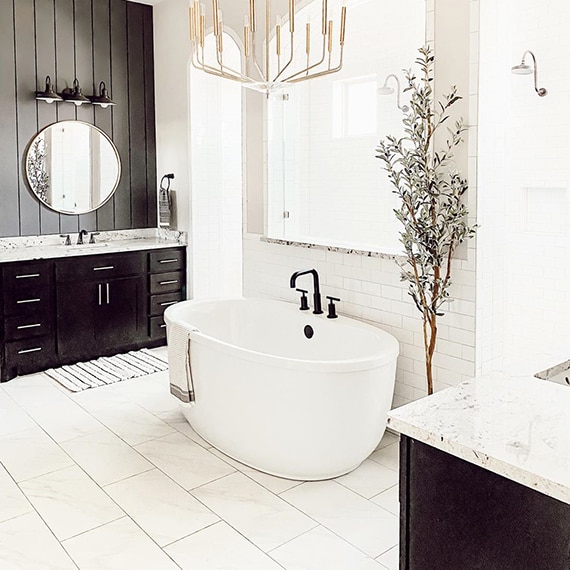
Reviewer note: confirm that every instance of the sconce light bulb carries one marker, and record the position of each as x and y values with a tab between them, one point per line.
104	105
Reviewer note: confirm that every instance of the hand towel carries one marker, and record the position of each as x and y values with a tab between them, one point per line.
180	369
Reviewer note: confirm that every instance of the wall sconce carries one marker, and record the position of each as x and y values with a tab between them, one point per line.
48	95
525	69
386	90
103	99
74	94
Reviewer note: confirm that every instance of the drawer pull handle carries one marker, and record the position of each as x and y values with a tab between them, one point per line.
34	326
162	326
30	275
165	304
30	350
167	260
168	282
103	268
28	301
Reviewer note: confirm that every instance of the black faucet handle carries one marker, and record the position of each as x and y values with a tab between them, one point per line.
332	307
92	236
67	238
304	301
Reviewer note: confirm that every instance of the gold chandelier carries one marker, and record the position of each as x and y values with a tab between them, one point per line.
272	70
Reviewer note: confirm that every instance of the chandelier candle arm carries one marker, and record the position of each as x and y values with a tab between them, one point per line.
267	68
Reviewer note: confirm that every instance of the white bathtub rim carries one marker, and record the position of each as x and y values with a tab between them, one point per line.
390	346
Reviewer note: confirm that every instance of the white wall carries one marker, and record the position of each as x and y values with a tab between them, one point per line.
524	197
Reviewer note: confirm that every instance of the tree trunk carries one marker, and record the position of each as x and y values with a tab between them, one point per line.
430	338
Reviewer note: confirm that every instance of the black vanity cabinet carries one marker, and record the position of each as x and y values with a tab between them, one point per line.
65	310
100	304
28	323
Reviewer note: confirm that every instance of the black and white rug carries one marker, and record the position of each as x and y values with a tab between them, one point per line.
108	370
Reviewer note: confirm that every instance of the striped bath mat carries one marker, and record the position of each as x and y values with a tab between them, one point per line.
108	370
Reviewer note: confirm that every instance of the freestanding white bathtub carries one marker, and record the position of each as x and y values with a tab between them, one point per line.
268	396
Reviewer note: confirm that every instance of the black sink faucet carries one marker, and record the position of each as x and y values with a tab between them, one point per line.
80	236
317	310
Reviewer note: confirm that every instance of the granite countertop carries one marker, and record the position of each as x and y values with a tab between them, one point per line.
51	246
515	427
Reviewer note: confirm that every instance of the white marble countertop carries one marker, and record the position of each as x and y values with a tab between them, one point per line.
516	427
52	246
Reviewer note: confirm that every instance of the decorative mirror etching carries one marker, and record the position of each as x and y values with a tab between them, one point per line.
72	167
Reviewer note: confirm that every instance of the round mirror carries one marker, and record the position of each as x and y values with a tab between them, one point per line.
72	167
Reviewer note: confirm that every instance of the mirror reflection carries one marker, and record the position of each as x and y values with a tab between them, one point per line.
72	167
324	183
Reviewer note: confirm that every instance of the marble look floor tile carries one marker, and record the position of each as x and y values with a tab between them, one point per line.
388	456
15	419
69	502
13	502
132	423
34	390
389	500
164	510
64	420
105	457
319	549
274	484
119	545
357	520
30	453
369	479
26	543
148	393
388	439
7	403
189	464
390	559
219	547
176	419
259	515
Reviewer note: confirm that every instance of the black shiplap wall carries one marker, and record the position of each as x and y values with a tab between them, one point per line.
93	40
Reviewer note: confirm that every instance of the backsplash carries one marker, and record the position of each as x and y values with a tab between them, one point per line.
370	289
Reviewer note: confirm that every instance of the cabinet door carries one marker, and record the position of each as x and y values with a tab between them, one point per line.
120	314
77	304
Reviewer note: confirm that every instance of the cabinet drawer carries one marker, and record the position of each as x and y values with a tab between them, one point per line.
166	282
27	326
28	302
156	327
158	303
166	260
30	355
99	266
26	277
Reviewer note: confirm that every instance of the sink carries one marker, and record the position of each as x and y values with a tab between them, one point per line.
86	248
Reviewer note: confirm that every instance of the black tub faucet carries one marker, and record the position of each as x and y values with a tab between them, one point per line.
317	309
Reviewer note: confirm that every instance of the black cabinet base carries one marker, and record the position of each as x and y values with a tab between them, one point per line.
459	516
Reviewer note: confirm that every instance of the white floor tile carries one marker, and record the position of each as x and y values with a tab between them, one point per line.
274	484
26	543
30	453
388	456
259	515
219	547
13	502
119	545
389	500
148	393
357	520
388	439
369	479
164	510
15	419
176	419
69	502
105	457
390	559
131	423
65	420
189	464
320	549
34	390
